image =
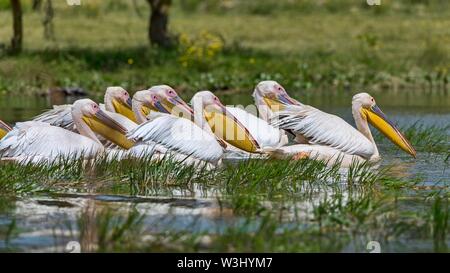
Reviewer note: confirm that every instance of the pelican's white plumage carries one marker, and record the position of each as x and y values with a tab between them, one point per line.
180	135
61	115
321	128
38	141
265	134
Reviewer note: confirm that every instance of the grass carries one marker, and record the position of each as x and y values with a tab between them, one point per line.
304	46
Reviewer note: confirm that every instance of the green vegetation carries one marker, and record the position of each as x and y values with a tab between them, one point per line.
231	45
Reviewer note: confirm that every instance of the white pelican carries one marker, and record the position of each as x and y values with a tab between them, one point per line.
36	141
331	136
4	129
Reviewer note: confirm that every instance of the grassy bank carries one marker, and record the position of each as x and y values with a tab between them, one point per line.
314	46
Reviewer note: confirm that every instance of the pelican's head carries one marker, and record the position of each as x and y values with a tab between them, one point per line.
224	124
369	111
273	95
118	100
148	101
171	102
100	122
208	100
4	129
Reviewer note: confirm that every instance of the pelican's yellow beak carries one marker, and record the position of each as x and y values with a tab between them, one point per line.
4	129
278	102
124	108
176	106
108	128
225	126
379	120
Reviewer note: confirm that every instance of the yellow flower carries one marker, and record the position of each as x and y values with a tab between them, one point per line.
130	61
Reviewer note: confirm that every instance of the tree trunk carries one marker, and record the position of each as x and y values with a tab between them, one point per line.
37	5
159	18
16	41
48	21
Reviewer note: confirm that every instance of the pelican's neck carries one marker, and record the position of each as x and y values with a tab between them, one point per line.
199	117
108	100
363	127
137	110
264	110
83	128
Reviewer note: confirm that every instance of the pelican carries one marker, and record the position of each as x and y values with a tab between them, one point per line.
4	129
36	141
330	136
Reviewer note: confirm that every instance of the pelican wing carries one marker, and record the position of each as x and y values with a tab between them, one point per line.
265	134
180	135
60	116
38	139
323	129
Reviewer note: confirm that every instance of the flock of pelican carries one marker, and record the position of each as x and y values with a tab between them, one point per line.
158	122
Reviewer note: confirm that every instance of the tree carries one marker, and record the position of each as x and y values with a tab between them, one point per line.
48	21
36	5
16	41
158	21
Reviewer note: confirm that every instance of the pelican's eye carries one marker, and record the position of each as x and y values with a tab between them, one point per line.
155	98
170	92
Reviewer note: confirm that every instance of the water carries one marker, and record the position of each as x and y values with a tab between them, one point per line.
49	222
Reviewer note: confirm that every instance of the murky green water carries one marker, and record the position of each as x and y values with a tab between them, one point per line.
48	222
